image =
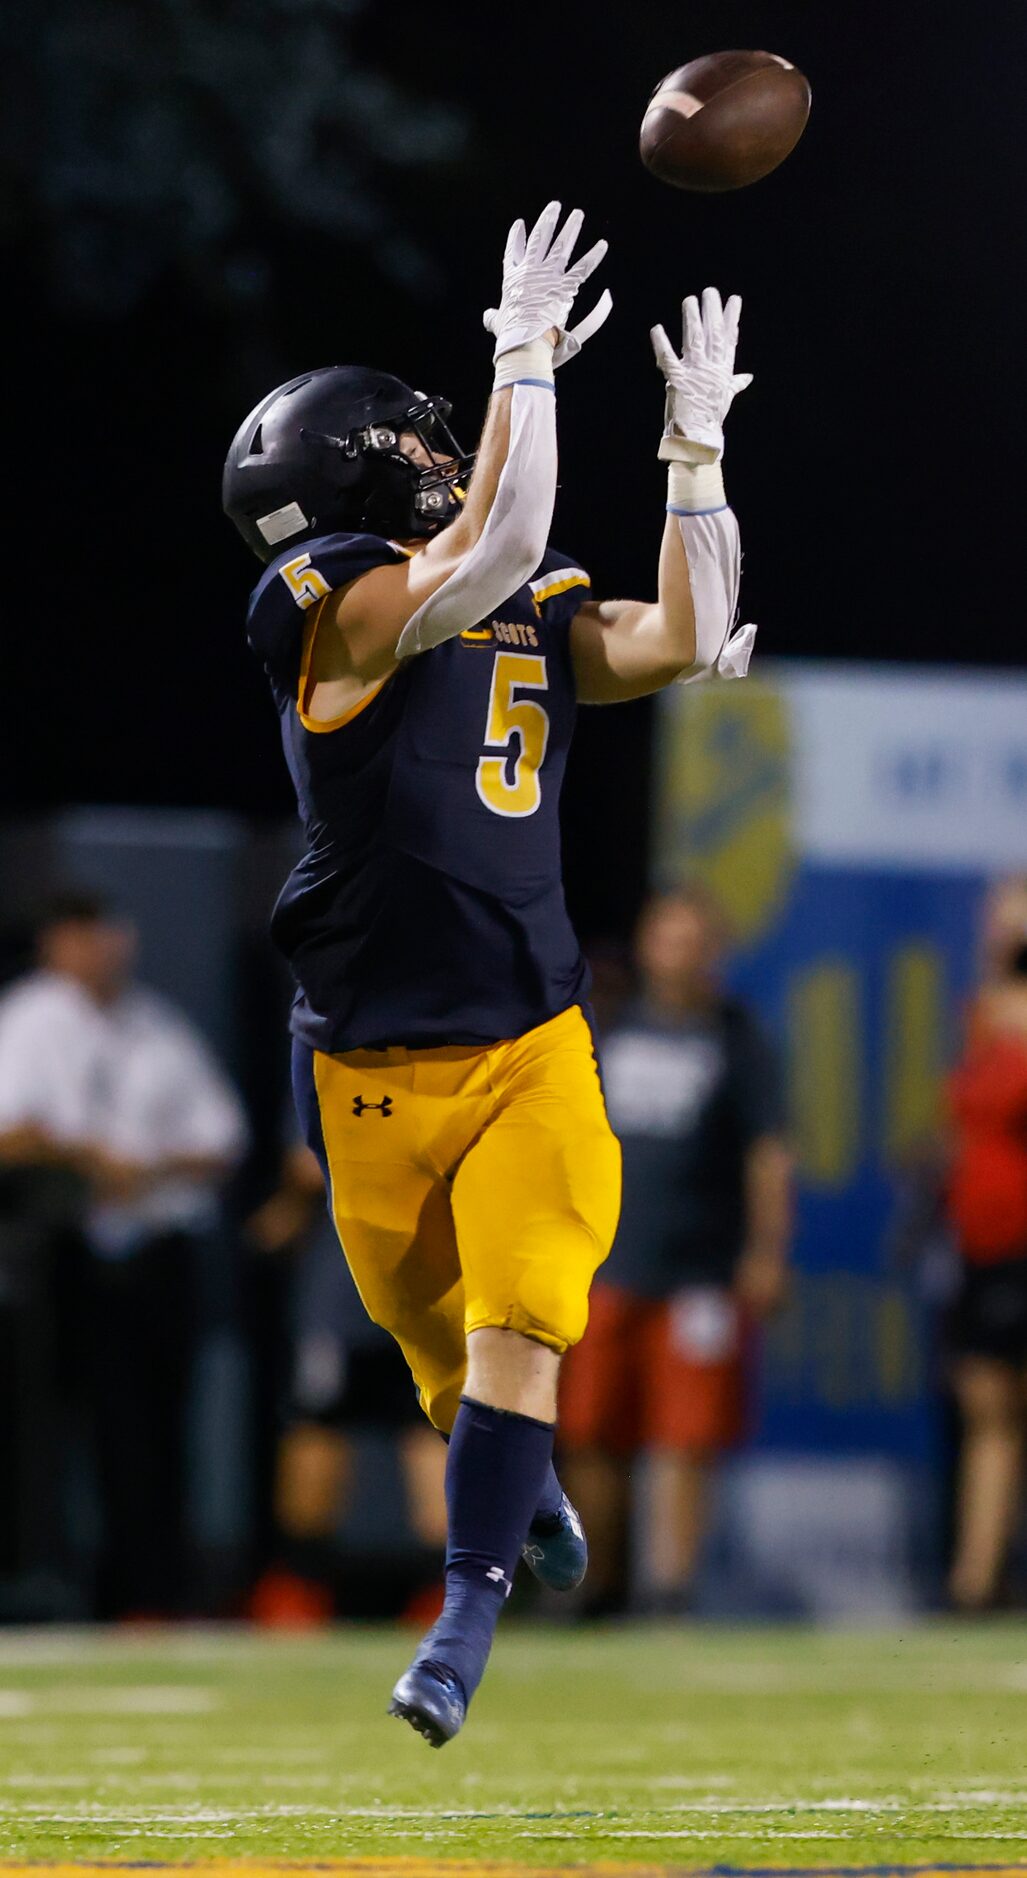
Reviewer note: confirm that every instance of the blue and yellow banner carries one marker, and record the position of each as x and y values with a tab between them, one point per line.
848	819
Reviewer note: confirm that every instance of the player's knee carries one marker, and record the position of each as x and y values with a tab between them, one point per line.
439	1379
551	1306
439	1388
440	1400
544	1297
433	1346
557	1288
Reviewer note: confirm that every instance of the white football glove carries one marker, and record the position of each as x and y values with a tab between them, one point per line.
539	286
702	382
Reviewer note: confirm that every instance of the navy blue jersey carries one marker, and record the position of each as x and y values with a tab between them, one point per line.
428	907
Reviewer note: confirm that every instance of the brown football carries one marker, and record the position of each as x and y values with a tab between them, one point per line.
724	120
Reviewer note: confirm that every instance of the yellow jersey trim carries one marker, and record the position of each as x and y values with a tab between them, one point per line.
315	724
336	723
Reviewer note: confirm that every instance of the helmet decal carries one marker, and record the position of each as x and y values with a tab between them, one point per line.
281	523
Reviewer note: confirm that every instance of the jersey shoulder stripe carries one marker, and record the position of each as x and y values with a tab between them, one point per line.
560	581
560	586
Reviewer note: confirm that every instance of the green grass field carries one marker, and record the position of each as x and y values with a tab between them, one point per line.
685	1747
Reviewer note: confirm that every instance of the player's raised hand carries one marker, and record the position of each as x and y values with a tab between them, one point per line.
540	284
702	382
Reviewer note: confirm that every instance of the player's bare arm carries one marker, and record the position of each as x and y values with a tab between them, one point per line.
499	535
626	648
761	1277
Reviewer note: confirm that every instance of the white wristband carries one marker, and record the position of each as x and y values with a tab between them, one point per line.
695	488
525	365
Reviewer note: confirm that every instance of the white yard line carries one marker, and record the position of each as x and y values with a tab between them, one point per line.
110	1699
100	1813
756	1838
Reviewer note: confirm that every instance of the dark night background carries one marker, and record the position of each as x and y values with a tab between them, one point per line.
204	197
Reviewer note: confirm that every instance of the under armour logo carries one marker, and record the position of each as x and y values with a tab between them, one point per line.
498	1577
384	1107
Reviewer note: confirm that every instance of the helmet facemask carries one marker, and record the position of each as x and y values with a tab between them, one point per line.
404	498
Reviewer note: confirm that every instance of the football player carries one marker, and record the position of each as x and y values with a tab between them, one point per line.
427	649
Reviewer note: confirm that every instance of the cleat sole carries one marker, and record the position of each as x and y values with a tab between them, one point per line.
421	1723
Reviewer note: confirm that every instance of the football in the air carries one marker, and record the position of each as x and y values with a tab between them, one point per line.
724	120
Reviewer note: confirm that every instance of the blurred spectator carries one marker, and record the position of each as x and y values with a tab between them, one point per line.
347	1377
986	1204
701	1252
1003	929
105	1079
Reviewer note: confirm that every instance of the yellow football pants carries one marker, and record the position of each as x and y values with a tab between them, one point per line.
471	1188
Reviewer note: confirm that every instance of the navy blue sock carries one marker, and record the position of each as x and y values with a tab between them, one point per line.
550	1500
495	1472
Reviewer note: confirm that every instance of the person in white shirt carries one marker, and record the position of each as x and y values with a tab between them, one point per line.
106	1078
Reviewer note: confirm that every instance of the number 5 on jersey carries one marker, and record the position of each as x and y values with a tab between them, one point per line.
518	793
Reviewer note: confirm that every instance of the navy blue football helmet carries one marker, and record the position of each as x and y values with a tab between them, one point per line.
321	454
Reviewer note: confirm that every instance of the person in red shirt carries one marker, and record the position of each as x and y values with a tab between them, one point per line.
986	1205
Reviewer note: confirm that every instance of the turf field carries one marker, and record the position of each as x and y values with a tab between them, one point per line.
684	1748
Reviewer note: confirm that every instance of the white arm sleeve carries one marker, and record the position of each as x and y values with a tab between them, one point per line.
709	536
516	530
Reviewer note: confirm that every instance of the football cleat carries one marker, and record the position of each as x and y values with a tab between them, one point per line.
432	1700
556	1549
